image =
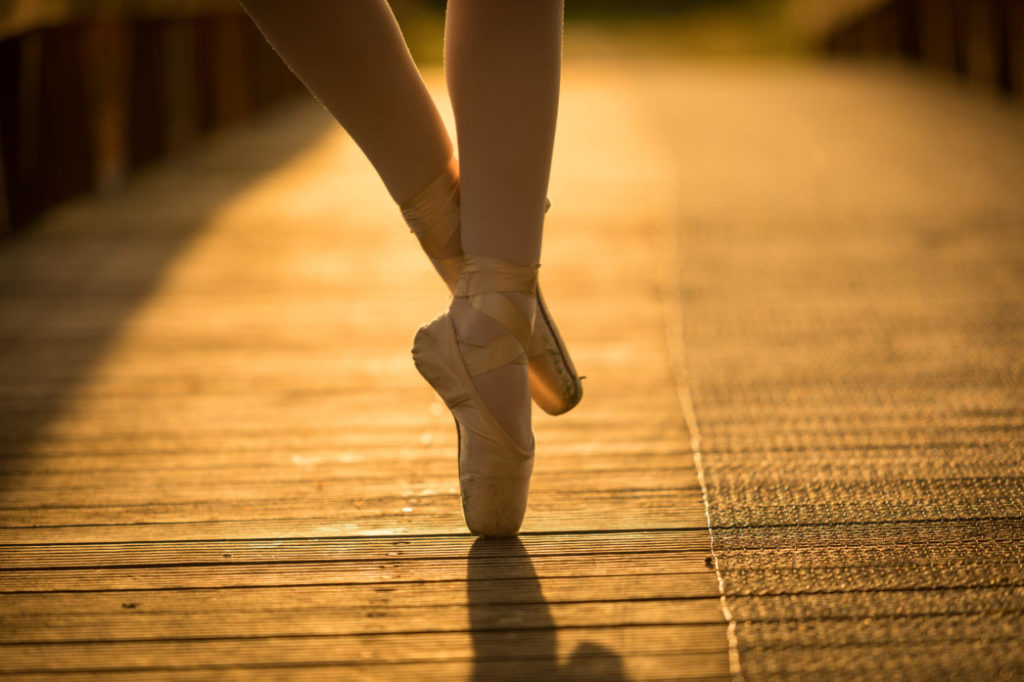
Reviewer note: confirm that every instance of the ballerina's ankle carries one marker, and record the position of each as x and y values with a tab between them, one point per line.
433	214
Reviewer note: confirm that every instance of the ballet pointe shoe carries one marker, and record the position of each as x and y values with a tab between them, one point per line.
494	470
434	217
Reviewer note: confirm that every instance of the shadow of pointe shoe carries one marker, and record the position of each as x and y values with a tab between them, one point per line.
513	634
591	661
510	624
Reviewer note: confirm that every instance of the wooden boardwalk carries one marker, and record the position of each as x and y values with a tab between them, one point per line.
219	461
850	249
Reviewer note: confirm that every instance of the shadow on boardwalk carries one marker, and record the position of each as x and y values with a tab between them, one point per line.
68	285
499	622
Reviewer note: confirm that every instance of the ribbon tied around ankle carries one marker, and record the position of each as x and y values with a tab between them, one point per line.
482	275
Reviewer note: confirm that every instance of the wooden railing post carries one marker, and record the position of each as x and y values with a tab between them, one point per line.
222	70
982	40
105	67
20	125
1015	45
94	89
181	89
937	30
65	142
5	213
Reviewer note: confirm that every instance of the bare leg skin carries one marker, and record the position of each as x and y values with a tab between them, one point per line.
503	64
351	55
502	61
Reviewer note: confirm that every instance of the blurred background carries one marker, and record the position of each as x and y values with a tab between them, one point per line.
91	91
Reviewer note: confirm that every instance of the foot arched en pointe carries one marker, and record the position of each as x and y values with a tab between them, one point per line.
458	349
434	216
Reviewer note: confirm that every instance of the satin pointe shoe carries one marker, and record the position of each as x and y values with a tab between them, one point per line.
433	215
494	470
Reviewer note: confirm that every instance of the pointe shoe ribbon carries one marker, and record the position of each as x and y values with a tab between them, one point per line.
494	470
434	216
482	276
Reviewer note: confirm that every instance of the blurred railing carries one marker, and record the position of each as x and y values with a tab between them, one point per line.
91	90
982	40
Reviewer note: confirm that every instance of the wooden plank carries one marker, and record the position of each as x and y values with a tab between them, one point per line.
73	439
298	499
586	663
45	471
503	590
416	439
359	649
320	549
553	517
339	620
171	577
311	517
206	487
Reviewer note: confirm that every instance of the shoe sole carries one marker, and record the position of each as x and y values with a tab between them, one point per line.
551	368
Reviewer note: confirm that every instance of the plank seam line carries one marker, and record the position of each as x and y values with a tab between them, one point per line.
280	538
325	663
326	539
674	327
652	492
283	586
303	562
697	624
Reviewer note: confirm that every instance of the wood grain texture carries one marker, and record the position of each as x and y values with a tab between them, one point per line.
218	461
